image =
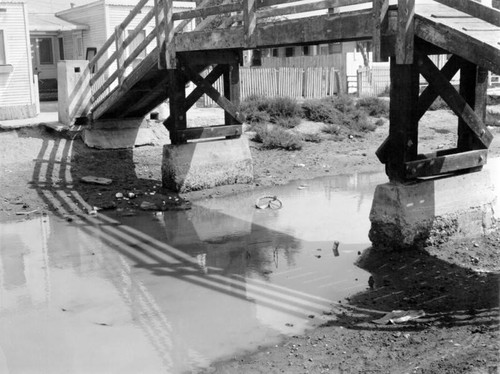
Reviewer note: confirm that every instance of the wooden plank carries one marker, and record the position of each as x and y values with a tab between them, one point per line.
211	57
109	42
452	40
249	21
403	126
231	89
202	12
334	3
380	8
475	9
459	106
428	96
177	99
405	38
208	132
168	11
208	20
446	164
120	49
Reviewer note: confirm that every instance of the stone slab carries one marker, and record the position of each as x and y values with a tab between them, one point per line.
202	165
404	216
124	133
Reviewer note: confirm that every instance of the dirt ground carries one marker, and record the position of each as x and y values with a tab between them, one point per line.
456	283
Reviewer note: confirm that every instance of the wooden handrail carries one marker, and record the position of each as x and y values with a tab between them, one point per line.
207	11
334	3
147	18
111	40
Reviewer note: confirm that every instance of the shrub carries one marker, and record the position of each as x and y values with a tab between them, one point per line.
492	118
283	107
287	122
343	103
277	137
320	111
374	106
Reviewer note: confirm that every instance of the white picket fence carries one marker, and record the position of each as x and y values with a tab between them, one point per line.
298	83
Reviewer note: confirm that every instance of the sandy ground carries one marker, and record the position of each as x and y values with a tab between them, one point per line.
455	283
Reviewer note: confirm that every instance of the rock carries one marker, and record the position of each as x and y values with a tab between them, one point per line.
146	205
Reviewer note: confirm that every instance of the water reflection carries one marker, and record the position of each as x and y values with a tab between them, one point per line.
172	292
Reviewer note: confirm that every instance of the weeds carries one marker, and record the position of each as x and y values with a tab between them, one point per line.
283	111
277	137
373	106
492	118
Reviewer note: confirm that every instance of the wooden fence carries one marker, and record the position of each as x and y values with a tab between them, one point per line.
298	83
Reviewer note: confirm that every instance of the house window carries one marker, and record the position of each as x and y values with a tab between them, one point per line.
289	52
45	51
305	50
136	42
3	59
334	48
275	52
61	48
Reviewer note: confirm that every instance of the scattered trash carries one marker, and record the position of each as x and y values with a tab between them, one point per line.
271	202
302	187
131	195
300	165
146	205
96	180
335	248
93	212
317	256
399	316
119	195
26	213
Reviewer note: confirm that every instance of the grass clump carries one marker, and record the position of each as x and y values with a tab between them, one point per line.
283	111
277	137
373	106
492	118
342	113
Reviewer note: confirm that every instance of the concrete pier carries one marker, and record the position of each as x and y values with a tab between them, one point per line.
202	165
405	216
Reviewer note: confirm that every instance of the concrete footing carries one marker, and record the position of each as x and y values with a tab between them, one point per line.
432	211
202	165
122	133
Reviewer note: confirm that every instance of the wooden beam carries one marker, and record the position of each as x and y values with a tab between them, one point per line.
429	95
449	94
446	164
380	8
168	11
482	54
403	126
334	3
177	103
207	11
232	89
119	37
227	131
475	9
211	57
249	21
405	37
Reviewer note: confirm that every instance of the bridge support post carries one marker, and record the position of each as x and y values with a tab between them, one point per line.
209	156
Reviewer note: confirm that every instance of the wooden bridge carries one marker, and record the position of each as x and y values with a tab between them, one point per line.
407	31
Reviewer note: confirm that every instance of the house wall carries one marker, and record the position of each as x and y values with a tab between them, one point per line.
17	88
92	15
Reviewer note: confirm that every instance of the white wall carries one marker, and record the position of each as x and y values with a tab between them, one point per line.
16	87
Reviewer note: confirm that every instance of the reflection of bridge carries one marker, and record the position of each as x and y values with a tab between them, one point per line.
408	32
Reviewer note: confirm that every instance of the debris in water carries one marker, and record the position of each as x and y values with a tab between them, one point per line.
96	180
335	248
271	202
399	316
317	256
26	213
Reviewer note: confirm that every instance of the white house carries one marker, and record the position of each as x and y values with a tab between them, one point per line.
18	92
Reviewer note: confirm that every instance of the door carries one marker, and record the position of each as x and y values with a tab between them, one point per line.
43	56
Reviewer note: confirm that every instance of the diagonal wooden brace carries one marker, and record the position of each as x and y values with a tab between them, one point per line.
207	88
456	102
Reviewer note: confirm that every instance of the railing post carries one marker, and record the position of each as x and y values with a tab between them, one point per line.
405	35
249	20
380	8
168	13
119	38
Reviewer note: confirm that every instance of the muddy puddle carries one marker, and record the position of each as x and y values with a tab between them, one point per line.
172	292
